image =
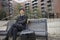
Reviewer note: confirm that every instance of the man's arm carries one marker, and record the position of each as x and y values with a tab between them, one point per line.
24	20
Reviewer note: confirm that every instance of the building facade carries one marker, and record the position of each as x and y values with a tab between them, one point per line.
56	6
6	6
42	8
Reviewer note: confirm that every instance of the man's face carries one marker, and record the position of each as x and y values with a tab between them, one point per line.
22	12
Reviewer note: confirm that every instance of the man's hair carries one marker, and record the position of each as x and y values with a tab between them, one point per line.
21	9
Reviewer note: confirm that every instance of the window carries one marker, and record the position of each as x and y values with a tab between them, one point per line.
42	11
42	7
51	15
34	1
42	4
9	0
3	0
49	5
34	4
27	9
3	4
34	7
49	9
42	0
27	4
35	10
49	1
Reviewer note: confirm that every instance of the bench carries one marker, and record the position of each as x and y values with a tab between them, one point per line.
37	25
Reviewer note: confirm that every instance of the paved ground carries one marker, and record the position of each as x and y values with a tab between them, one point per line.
53	30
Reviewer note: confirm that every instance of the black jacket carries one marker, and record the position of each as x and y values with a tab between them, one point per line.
22	20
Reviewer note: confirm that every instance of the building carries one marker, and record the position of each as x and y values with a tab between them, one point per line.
56	6
42	8
35	8
4	6
7	7
32	8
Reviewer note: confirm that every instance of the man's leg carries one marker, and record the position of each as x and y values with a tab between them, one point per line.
10	32
15	33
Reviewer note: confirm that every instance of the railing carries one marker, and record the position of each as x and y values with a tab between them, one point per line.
10	17
5	17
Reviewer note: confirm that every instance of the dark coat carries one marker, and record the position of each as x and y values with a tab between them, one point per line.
21	21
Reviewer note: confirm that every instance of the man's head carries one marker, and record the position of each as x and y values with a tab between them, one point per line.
22	11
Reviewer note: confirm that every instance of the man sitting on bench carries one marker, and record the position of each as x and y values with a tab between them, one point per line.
19	25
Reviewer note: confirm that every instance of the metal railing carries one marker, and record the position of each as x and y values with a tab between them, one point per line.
6	17
10	18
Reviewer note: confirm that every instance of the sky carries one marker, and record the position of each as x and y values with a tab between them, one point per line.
19	1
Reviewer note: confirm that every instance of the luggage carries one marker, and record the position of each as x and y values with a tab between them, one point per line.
28	35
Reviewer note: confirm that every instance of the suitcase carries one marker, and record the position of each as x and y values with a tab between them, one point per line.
28	35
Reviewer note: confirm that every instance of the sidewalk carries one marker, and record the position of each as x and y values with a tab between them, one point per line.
53	29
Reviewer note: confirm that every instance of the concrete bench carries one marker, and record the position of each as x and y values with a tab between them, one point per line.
37	25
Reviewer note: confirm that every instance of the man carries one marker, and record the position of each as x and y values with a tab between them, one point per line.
19	25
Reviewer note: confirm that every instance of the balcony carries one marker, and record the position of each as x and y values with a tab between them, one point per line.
4	4
26	9
27	4
34	1
42	7
50	11
9	0
50	7
34	7
49	1
10	4
43	10
3	0
35	10
42	4
42	0
10	8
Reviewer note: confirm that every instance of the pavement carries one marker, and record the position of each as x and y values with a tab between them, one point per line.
53	29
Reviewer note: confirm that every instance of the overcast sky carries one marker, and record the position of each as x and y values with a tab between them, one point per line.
19	1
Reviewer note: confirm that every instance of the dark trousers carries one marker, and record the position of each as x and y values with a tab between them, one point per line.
14	30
